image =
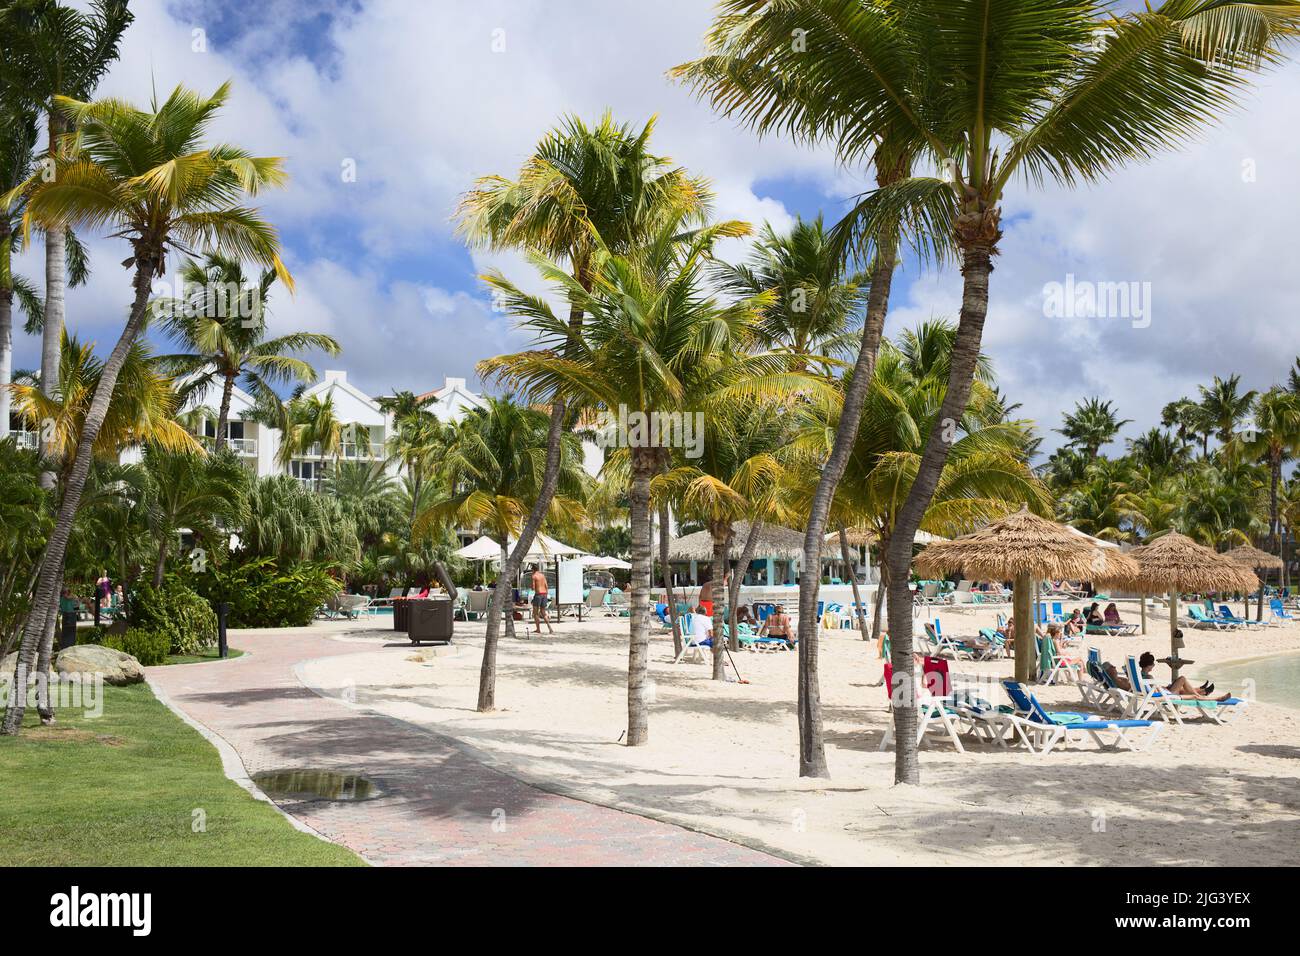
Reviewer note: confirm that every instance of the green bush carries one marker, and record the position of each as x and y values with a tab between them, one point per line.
260	594
174	610
148	647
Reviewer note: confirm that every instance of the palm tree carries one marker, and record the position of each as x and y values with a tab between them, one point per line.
585	191
53	51
990	90
418	441
495	468
17	141
1092	424
1276	438
816	311
146	176
1158	450
738	476
1224	407
651	343
186	490
290	523
318	427
220	323
1187	418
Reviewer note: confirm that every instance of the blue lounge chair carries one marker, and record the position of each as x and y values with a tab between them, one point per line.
1277	612
1200	619
1049	727
1225	614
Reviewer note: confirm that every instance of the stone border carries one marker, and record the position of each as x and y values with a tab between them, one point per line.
232	765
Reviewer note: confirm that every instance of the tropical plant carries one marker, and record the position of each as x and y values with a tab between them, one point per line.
1276	439
990	90
1224	406
17	140
147	177
201	493
220	321
1091	425
418	441
288	522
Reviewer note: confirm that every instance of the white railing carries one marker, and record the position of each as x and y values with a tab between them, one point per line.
350	450
28	440
243	446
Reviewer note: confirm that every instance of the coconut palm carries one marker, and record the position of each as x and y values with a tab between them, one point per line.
990	90
418	441
199	492
737	477
651	342
1225	406
221	323
17	140
494	469
317	427
1158	450
1275	438
583	192
1187	418
1093	423
54	51
147	177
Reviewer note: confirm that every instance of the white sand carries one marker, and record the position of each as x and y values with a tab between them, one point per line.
723	756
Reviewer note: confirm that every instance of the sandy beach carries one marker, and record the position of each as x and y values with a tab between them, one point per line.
723	756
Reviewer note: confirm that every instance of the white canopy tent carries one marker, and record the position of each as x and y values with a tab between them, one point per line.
601	562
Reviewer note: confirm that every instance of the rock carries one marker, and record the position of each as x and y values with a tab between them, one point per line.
117	667
7	666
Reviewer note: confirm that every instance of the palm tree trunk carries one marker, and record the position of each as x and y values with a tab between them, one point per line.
881	586
223	416
668	579
52	332
1274	544
57	545
512	560
638	654
812	752
721	531
859	611
510	567
742	568
52	623
6	351
161	565
976	266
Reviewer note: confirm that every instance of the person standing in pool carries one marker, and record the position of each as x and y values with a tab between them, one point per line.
540	599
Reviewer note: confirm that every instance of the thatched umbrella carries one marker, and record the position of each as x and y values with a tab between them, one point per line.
1252	557
1021	547
773	541
1114	568
1176	563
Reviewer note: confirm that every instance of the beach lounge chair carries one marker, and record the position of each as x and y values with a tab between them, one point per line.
595	600
1225	614
932	713
1277	612
1199	619
618	604
1151	698
387	601
1048	728
1095	687
477	603
1051	666
693	643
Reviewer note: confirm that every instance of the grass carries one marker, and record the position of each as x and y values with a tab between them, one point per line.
124	789
206	654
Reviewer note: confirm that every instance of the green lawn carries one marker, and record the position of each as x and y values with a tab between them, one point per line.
122	790
207	654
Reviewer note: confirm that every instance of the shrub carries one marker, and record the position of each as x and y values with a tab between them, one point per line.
260	594
174	610
148	647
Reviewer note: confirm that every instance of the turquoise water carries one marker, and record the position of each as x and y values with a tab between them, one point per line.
1276	679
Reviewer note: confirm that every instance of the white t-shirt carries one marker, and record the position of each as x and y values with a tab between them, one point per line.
701	627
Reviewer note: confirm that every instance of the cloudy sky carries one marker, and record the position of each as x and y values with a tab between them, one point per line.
420	98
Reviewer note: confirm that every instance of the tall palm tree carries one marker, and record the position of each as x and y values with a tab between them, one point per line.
1093	423
317	426
1276	438
17	141
1224	406
418	441
756	71
186	490
1158	450
53	51
221	323
989	90
1187	418
586	190
651	342
147	177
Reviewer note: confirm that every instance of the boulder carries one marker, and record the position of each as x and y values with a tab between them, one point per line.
117	667
7	666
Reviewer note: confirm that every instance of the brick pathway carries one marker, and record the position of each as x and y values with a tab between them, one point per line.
439	806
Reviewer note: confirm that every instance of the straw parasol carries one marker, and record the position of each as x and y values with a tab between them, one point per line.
773	542
1251	557
1022	546
1176	563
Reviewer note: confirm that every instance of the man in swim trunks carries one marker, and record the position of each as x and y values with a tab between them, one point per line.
540	598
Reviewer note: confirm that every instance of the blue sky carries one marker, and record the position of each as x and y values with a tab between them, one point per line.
423	98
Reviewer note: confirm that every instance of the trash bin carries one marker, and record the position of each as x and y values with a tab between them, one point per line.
68	637
401	614
431	620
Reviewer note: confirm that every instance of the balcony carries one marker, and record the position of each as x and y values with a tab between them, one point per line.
244	447
27	440
349	451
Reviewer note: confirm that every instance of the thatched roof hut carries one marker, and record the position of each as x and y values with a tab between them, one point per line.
1251	557
1174	561
774	541
1020	545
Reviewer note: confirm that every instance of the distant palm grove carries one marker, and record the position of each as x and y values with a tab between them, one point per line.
814	419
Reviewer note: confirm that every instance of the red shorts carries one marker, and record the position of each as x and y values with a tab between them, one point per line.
708	607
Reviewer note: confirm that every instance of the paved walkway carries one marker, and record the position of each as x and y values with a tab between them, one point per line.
439	806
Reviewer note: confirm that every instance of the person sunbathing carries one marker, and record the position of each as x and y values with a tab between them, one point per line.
778	624
1181	687
1075	624
1111	617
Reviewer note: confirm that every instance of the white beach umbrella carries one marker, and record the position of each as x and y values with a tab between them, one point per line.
604	562
544	549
